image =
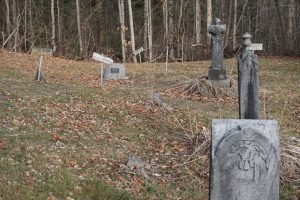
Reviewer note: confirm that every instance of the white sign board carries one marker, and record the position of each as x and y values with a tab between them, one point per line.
256	47
102	58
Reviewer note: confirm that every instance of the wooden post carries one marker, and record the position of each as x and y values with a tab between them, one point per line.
101	76
40	69
167	57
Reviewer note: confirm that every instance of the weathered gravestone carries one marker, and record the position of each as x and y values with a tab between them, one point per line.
245	159
248	81
114	72
245	153
217	72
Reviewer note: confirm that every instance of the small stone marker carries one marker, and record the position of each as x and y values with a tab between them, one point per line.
217	72
245	152
245	158
114	72
157	99
248	81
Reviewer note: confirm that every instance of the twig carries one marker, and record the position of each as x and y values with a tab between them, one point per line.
187	162
179	123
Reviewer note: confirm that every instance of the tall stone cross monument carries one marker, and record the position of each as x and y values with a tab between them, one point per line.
217	71
245	152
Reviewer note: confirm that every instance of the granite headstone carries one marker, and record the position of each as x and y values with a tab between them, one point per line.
114	72
248	81
217	71
245	160
245	152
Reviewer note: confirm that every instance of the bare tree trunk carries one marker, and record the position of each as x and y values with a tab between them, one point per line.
31	24
257	18
180	29
150	30
16	25
281	24
59	24
131	30
8	24
290	30
171	29
25	25
208	19
198	22
79	27
228	23
146	28
53	44
165	20
122	27
234	26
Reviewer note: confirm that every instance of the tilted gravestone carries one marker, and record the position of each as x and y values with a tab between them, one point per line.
114	72
245	152
217	72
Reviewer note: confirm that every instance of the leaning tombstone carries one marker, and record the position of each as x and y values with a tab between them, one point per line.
245	152
217	72
114	72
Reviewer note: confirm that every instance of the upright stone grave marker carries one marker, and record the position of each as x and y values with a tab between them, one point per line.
111	71
114	72
245	153
248	81
217	72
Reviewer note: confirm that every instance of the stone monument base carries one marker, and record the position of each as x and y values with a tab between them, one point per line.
216	73
245	160
220	83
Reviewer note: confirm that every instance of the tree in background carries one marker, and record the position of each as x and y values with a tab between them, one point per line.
74	28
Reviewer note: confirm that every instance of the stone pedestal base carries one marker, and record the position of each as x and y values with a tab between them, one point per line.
245	160
220	83
216	74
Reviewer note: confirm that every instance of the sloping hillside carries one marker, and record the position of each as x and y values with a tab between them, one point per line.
68	138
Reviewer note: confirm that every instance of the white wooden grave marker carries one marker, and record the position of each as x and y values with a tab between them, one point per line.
256	47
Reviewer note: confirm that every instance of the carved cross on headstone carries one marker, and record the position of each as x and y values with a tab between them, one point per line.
248	81
217	70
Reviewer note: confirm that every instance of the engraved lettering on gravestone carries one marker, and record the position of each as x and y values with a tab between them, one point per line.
247	165
248	85
249	158
217	70
114	70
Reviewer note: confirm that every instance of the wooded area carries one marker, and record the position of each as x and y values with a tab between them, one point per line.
76	28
